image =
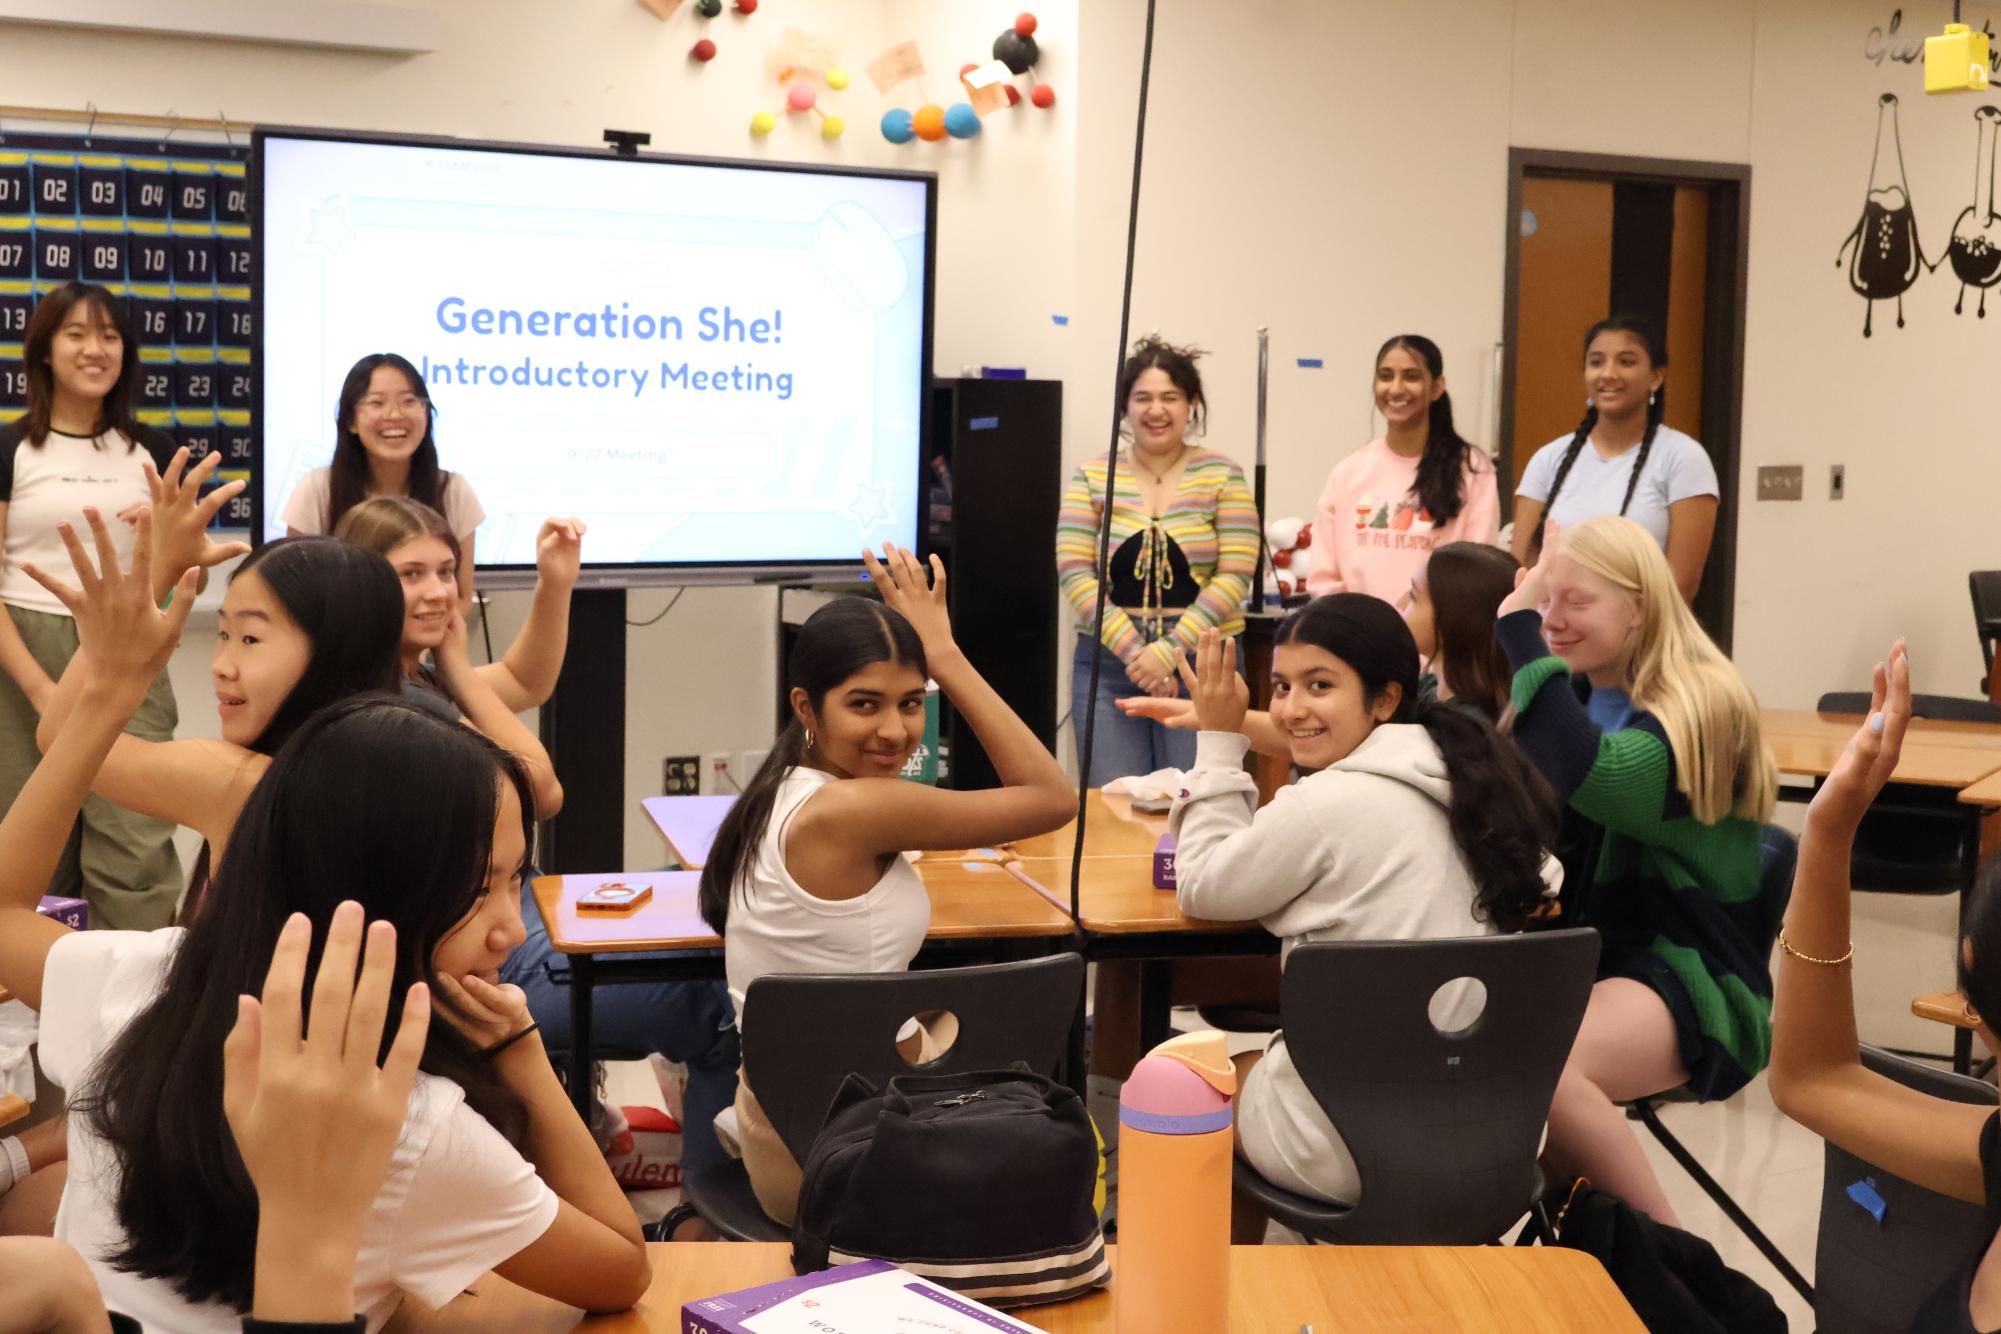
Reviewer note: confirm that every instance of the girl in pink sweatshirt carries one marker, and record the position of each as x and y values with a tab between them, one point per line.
1418	487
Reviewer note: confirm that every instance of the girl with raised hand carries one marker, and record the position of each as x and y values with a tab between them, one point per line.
1649	734
688	1022
385	444
1623	459
1390	504
1184	548
1818	1078
1449	610
420	546
1415	821
78	444
305	622
491	1168
807	873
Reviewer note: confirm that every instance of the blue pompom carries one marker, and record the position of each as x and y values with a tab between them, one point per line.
897	126
961	121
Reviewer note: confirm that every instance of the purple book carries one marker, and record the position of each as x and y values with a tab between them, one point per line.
866	1296
72	913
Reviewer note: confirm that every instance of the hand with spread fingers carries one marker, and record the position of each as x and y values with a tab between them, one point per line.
1220	696
315	1112
182	514
899	577
126	637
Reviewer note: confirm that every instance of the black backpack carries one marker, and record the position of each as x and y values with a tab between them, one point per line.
980	1182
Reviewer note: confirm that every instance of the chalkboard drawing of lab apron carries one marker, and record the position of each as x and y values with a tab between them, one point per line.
1975	250
1887	257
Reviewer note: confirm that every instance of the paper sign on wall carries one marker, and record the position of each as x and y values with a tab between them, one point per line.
661	9
986	87
893	66
816	51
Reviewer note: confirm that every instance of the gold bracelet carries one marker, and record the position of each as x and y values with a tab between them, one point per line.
1787	946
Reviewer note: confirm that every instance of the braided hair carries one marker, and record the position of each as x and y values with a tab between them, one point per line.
1446	452
1656	410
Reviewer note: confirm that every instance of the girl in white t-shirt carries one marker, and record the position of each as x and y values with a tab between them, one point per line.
807	873
493	1169
1623	459
385	445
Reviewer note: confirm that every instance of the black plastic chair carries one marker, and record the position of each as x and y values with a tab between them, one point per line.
1778	853
1444	1129
1985	588
1871	1277
804	1034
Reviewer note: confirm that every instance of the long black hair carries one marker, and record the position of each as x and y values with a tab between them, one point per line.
1502	813
349	603
1442	467
1643	330
1467	581
837	641
347	476
321	826
38	340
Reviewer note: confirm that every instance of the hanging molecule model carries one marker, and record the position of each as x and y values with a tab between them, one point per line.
801	95
704	49
1016	51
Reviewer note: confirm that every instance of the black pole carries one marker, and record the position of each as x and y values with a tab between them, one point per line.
583	727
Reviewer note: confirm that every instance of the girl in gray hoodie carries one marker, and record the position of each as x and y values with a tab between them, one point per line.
1412	821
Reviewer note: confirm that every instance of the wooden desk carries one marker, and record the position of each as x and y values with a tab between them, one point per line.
1945	1007
1115	895
970	901
1415	1289
688	824
1935	754
1113	830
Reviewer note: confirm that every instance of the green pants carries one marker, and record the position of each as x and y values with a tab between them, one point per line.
124	864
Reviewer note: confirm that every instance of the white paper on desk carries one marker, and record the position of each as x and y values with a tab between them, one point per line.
887	1299
1160	785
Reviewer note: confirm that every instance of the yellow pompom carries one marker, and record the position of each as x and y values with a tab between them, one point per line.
763	123
831	127
837	78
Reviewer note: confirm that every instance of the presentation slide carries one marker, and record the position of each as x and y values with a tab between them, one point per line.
710	364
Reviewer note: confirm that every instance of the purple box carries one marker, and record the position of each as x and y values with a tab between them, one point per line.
861	1298
1163	862
72	913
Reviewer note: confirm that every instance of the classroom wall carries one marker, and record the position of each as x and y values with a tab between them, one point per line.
1336	171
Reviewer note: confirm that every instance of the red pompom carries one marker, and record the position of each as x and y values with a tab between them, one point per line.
1282	559
704	50
1024	26
1013	95
1043	96
746	6
1305	538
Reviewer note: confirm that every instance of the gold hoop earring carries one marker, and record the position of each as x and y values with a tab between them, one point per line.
810	740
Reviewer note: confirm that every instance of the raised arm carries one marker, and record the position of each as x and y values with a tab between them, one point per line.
526	675
1266	737
881	816
484	709
118	623
1817	1074
181	516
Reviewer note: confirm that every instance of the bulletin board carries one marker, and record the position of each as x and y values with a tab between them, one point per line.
166	227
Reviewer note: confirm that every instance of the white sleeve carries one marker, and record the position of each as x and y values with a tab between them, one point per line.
462	508
473	1202
1541	471
1689	472
1232	861
93	983
307	508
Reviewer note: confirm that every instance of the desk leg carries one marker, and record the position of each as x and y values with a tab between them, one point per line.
1962	1051
583	1086
1156	1003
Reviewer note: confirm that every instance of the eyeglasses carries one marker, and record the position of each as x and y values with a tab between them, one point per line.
376	406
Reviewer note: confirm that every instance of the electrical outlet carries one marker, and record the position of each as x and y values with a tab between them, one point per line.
722	773
1837	482
681	775
1785	482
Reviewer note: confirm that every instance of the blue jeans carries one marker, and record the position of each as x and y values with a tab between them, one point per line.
1121	746
690	1022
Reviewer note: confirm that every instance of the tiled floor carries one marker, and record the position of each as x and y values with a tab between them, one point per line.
1903	947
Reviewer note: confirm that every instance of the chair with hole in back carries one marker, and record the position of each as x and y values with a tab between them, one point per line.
1886	1248
1985	586
1778	853
804	1034
1444	1128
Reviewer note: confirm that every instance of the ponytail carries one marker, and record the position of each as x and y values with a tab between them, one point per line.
1570	453
1656	409
1503	813
734	852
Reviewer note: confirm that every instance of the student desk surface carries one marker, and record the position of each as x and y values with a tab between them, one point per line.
688	826
1936	754
1499	1289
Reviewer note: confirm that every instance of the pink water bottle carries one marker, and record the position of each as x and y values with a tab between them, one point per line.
1174	1189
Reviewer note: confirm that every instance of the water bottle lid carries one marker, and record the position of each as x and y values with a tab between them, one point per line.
1186	1076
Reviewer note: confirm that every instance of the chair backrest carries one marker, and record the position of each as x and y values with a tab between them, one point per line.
803	1034
1444	1128
1778	857
1940	708
1872	1276
1985	588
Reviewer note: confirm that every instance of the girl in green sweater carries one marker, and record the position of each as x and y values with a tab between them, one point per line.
1646	729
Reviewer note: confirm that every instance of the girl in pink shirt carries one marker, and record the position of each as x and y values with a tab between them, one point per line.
1418	487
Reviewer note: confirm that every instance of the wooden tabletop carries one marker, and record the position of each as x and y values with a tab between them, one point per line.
1935	754
1415	1289
1986	793
970	900
1113	830
1115	895
1945	1007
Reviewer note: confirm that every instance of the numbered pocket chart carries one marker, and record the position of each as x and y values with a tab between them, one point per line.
165	227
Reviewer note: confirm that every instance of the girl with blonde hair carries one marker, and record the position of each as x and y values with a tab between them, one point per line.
1649	733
